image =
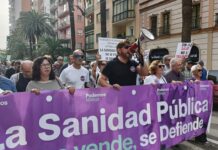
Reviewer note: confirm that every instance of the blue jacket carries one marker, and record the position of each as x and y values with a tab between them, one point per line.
6	84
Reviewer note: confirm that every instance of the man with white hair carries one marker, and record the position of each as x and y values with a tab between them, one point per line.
175	75
22	78
166	61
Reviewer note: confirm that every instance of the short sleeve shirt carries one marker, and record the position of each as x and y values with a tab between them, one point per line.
121	73
75	77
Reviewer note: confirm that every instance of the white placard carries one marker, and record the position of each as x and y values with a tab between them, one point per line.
107	48
183	50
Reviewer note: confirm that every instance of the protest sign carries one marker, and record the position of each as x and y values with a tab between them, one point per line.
107	48
136	117
183	50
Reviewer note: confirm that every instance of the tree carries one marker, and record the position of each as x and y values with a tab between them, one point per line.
186	20
103	18
34	25
72	24
17	45
51	46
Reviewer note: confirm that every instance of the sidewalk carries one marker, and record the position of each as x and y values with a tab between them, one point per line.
212	138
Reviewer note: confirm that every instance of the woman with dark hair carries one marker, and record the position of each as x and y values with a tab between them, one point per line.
43	77
156	70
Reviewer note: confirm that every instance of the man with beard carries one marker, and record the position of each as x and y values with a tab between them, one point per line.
122	71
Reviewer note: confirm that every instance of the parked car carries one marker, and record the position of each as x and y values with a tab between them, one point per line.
213	75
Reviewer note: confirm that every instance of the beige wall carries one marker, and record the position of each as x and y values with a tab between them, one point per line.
205	39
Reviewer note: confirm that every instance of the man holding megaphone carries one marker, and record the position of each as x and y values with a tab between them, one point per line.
122	71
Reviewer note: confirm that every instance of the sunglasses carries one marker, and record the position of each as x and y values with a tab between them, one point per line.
160	66
78	56
199	70
127	46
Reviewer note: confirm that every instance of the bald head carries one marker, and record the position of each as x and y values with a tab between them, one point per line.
78	57
78	52
26	68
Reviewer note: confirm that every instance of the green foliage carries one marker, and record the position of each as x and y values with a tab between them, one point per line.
17	45
53	47
33	26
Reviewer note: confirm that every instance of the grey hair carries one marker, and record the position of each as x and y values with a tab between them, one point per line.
173	61
26	62
195	67
165	58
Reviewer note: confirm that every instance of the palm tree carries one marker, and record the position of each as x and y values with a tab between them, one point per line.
186	20
103	18
34	25
17	45
72	24
50	45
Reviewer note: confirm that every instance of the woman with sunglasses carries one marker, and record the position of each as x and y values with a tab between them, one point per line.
196	71
43	77
156	70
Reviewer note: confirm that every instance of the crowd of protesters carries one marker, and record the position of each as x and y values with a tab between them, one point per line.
45	74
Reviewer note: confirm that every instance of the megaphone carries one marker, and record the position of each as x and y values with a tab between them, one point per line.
145	35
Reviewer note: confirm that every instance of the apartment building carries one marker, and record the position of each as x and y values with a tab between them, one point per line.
164	19
15	8
64	31
122	19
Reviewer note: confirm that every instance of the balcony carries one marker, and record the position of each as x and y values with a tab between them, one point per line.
164	30
129	14
63	26
63	14
53	7
89	27
89	46
61	2
89	10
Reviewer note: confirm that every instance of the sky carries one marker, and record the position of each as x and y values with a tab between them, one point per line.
4	23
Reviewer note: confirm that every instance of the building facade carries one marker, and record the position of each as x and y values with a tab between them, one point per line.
63	15
15	8
122	20
164	19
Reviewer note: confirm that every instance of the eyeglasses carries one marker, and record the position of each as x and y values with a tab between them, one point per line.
45	65
60	59
160	66
78	56
103	64
127	46
199	70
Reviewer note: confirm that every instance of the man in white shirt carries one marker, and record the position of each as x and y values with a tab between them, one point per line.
76	75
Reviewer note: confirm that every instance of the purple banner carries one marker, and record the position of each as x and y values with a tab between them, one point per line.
134	118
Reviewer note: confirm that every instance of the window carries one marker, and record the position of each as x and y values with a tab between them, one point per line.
216	19
107	14
153	20
165	29
80	32
97	36
196	16
65	8
78	45
123	9
79	18
131	31
89	41
98	17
